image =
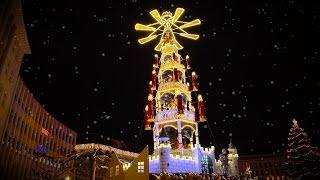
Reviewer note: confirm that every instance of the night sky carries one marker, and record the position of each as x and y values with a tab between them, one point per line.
257	62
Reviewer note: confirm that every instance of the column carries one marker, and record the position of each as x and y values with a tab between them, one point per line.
179	133
156	140
197	134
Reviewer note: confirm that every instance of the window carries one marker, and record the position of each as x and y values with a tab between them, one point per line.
117	170
111	171
140	167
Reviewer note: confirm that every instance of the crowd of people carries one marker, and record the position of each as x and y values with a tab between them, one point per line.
193	176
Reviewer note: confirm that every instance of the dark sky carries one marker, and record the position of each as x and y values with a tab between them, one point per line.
257	61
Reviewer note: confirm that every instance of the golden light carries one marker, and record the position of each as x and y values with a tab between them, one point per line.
155	14
192	23
166	27
147	39
150	97
141	27
177	14
190	36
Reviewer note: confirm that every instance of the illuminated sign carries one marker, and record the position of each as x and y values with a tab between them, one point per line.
42	149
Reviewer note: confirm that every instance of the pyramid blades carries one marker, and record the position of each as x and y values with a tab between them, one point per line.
190	24
179	46
177	14
141	27
147	39
190	36
159	45
155	14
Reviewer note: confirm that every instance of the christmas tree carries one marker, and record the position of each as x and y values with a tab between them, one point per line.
303	159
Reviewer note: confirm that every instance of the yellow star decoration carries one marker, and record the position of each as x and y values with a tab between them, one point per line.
167	26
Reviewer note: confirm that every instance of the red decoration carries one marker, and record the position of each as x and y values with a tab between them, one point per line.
147	125
44	131
202	116
194	82
189	87
156	60
175	74
151	87
188	62
179	104
174	56
154	79
149	108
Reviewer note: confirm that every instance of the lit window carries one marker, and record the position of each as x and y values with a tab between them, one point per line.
111	171
140	167
117	170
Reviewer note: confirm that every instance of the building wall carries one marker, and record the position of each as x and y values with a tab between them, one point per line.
30	126
24	123
133	171
13	46
264	165
165	161
110	164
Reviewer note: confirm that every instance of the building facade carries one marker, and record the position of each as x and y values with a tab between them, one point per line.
98	161
13	46
33	142
268	166
32	131
174	108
